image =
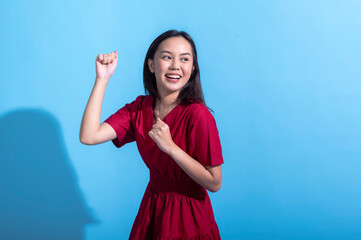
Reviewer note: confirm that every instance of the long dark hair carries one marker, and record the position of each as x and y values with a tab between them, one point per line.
192	90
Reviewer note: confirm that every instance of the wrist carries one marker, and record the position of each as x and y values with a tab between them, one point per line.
172	150
101	79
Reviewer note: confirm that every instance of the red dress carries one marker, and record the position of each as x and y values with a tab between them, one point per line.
174	206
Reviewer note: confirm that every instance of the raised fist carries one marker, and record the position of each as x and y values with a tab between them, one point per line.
105	64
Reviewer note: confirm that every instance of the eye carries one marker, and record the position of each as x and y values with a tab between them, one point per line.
166	57
185	59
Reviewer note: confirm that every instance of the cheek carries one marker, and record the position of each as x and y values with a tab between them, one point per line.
189	69
158	70
161	67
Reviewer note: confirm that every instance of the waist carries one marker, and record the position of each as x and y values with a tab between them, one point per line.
185	188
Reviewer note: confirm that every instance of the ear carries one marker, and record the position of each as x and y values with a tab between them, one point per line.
193	68
151	65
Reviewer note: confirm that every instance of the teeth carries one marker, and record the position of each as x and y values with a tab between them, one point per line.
173	76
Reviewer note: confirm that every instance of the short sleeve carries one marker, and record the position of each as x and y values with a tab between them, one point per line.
204	141
121	122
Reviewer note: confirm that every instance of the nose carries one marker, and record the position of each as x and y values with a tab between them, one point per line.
174	65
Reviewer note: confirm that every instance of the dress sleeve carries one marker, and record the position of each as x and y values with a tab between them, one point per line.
205	144
121	122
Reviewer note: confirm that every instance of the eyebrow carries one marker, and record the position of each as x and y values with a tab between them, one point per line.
165	51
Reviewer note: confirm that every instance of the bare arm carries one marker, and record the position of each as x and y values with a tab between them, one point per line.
91	131
209	177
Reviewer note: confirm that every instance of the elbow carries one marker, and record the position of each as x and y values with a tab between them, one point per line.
215	187
84	140
215	180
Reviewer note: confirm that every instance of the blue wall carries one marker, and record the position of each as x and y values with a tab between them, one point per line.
283	78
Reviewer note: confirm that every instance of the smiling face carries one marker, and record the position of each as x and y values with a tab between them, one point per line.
172	65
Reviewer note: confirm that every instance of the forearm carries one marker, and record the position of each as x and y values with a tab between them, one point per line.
91	118
194	169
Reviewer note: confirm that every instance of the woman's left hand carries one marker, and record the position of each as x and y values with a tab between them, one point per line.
160	133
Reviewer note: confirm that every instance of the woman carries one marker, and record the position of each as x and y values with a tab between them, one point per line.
176	136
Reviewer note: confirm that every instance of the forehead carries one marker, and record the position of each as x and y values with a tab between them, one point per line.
175	45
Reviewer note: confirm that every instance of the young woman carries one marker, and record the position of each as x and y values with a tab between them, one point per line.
176	135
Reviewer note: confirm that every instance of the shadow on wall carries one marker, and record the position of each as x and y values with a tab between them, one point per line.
39	194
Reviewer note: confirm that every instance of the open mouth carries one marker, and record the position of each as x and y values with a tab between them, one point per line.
173	77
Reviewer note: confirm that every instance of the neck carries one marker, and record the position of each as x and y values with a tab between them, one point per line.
167	101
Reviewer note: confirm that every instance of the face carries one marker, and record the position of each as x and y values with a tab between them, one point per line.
172	65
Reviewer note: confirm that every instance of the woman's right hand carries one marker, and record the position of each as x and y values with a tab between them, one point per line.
106	64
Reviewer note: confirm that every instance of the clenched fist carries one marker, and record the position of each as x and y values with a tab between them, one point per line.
160	133
105	65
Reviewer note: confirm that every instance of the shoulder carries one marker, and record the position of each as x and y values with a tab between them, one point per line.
201	122
141	98
139	101
199	111
136	105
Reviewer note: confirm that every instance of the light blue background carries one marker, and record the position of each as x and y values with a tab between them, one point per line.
283	78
